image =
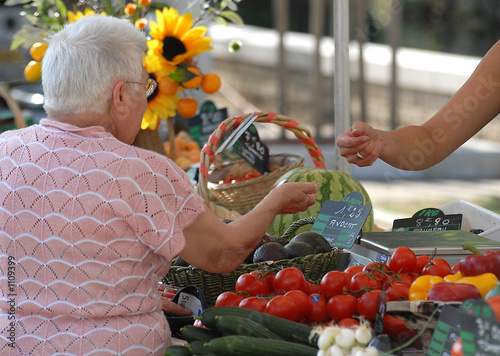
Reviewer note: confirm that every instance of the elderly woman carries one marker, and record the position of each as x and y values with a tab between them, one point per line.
88	223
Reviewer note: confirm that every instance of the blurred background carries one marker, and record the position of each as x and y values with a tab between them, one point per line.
406	59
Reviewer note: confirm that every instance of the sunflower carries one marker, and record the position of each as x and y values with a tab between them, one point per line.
175	39
72	17
160	105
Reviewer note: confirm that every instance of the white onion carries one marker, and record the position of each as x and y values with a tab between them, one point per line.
345	338
327	337
363	334
335	350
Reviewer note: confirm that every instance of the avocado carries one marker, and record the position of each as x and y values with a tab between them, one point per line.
265	239
317	241
281	240
271	251
299	249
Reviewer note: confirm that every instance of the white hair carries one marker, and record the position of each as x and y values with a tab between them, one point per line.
84	61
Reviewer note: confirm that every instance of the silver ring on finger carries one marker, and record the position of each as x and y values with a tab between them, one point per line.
360	156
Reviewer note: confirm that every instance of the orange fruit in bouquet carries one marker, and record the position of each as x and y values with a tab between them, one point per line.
33	71
187	107
145	2
194	82
168	86
37	51
130	9
141	23
211	83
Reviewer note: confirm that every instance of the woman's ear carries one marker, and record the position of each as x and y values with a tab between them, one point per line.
118	102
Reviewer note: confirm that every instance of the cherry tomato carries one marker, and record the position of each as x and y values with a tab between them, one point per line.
367	304
288	279
397	292
402	260
228	299
254	303
268	276
283	307
333	283
422	261
302	300
361	283
348	323
377	270
253	285
437	267
341	306
318	313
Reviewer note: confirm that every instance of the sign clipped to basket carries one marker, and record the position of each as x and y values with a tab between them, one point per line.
202	125
253	150
428	219
474	322
341	221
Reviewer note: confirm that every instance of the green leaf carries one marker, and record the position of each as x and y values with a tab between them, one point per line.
156	6
221	20
108	7
232	17
16	2
62	9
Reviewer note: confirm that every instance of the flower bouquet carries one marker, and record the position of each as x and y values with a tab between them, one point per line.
175	38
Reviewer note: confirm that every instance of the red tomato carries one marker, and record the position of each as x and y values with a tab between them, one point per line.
283	307
288	279
367	305
302	300
422	261
254	303
341	306
352	270
361	283
333	283
437	267
348	323
268	276
397	292
228	299
318	313
253	285
405	279
376	270
313	288
403	260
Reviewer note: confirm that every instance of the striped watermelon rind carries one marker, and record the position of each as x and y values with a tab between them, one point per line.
333	185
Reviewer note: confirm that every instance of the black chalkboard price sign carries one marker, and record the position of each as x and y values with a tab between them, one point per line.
428	219
341	221
206	122
253	150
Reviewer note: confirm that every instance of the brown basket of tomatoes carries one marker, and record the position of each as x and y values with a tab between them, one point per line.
239	187
313	266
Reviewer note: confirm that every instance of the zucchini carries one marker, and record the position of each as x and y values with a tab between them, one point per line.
286	329
237	325
256	346
177	350
195	333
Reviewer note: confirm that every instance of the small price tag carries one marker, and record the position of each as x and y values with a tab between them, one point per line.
253	150
206	122
341	221
429	219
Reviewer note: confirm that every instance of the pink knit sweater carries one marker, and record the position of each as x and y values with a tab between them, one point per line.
88	226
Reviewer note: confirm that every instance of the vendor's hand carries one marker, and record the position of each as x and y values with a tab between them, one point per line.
173	308
360	144
293	197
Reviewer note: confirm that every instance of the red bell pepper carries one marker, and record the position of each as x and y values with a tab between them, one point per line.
453	292
476	264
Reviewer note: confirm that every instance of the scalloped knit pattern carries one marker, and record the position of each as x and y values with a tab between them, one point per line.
88	226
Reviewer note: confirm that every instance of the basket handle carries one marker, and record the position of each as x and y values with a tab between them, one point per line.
208	151
296	224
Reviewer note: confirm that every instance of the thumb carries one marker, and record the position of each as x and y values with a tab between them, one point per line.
358	128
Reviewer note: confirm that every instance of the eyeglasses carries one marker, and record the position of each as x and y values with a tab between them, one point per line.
151	85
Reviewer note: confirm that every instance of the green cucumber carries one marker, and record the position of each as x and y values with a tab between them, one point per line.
237	325
256	346
177	350
286	329
195	333
198	348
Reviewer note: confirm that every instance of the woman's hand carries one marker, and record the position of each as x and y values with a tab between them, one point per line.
291	198
360	144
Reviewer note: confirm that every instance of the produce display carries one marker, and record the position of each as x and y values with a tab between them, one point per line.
334	185
283	313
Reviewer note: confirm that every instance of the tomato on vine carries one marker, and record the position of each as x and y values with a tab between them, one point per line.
228	299
437	267
254	303
402	260
367	305
283	307
288	279
341	306
333	283
318	312
251	284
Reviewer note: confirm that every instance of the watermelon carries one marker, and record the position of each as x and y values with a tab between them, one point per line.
333	185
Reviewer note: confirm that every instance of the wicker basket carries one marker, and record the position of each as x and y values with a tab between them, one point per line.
312	266
242	197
